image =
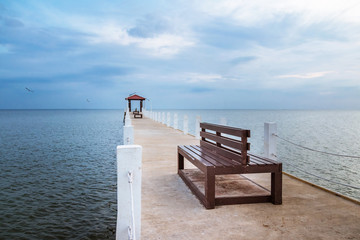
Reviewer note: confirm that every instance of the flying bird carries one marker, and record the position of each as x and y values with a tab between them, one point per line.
29	90
87	100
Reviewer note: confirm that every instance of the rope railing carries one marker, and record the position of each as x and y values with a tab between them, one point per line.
314	150
326	179
131	228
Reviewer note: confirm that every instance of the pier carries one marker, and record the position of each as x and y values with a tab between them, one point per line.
171	211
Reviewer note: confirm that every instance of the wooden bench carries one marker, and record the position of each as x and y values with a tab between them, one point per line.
137	114
224	150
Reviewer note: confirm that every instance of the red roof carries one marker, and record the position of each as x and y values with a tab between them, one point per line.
135	97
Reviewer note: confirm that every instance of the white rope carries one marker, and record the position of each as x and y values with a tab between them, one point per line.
131	229
310	149
329	180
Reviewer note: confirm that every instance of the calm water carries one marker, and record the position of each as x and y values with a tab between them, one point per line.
329	131
58	173
58	167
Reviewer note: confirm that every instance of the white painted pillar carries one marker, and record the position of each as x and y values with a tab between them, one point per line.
128	191
127	118
128	135
168	119
270	129
176	121
197	127
186	124
223	121
163	118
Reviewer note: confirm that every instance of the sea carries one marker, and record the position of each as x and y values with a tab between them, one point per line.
58	167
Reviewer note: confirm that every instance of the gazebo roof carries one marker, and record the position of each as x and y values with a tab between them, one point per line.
135	97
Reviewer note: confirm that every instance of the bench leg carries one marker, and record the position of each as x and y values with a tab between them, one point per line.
180	162
276	187
210	188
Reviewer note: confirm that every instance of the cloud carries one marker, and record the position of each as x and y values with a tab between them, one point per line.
244	59
252	13
11	22
203	78
201	90
150	26
306	75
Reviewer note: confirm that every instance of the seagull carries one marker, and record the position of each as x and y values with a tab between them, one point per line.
29	90
87	100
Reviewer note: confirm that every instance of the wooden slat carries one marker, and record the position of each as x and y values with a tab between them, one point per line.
223	152
236	144
224	161
200	163
242	200
239	132
264	159
199	155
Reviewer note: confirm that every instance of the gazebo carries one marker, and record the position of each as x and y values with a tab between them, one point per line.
135	97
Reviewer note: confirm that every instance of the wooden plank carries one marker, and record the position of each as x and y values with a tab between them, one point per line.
194	189
222	159
199	155
264	159
243	133
223	140
201	165
242	200
223	152
202	154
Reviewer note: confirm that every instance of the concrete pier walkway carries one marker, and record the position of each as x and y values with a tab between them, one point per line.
171	211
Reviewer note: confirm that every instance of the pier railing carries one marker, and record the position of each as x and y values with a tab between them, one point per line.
128	225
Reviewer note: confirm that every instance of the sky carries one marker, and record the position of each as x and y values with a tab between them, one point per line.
180	54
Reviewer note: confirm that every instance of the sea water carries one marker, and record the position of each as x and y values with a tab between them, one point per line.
58	167
58	173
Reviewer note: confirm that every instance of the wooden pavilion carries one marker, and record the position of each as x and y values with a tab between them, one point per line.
135	97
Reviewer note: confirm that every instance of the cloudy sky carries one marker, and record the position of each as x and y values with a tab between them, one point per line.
259	54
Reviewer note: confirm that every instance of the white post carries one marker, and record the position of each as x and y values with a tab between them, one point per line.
163	118
197	127
168	118
223	121
270	129
128	192
128	130
175	121
186	124
128	135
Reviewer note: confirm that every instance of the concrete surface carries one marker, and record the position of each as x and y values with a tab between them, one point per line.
171	211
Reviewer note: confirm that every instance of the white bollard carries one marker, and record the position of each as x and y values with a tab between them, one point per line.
127	118
175	121
163	118
223	121
270	129
186	124
128	192
197	127
128	135
168	119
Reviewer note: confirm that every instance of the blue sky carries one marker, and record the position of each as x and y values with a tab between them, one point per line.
257	54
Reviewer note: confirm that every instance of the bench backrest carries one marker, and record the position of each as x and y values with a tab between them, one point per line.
227	141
